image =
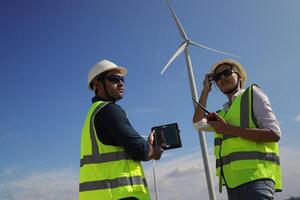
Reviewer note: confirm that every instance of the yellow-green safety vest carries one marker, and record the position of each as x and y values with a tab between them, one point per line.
107	172
239	160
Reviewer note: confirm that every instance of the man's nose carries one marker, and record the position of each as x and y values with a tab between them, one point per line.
120	82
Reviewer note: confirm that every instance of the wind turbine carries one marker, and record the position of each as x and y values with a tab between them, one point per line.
184	47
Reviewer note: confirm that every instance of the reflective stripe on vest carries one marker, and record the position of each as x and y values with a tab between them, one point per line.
241	160
104	157
95	149
248	156
112	183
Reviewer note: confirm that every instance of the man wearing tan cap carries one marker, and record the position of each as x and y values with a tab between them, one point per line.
246	135
111	150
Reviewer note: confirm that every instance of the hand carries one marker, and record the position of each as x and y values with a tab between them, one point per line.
207	82
220	125
156	152
211	117
151	137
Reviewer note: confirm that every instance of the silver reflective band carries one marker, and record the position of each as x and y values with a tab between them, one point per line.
104	157
95	149
248	155
244	110
112	183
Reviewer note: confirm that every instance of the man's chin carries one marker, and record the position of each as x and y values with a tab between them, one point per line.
119	97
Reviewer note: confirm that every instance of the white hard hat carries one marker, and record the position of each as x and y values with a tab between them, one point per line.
238	66
103	66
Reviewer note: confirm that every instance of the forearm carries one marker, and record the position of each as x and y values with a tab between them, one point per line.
254	134
116	130
199	113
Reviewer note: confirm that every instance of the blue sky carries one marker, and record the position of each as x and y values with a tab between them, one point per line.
48	47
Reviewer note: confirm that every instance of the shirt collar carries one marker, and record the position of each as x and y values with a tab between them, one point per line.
228	103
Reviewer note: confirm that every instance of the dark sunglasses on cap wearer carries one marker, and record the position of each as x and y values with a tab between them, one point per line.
115	78
226	72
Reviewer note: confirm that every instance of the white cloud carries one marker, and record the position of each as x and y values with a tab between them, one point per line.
48	185
290	171
297	118
184	177
7	171
178	178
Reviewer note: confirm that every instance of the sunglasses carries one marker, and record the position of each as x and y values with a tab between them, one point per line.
226	72
115	78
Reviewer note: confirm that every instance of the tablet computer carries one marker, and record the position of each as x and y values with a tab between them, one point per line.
167	136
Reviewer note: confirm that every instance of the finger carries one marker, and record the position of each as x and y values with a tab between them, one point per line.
151	137
218	116
212	123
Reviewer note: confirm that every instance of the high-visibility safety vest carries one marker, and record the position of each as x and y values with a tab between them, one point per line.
238	160
107	172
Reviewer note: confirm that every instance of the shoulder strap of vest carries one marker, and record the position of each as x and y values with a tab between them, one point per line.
244	109
95	149
246	99
253	114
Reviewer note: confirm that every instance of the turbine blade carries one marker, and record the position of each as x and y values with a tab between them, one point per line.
178	51
178	24
215	50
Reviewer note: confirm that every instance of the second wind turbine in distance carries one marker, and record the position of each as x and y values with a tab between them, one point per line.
184	47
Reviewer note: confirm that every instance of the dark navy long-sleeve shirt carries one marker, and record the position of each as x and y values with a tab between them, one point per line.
113	128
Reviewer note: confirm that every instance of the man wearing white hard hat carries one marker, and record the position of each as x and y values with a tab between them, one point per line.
111	150
246	134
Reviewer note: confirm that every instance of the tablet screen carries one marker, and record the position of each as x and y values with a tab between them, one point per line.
167	136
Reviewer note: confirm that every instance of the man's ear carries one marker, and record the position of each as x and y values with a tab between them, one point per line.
97	85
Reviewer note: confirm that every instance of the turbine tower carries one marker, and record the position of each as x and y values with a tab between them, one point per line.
184	47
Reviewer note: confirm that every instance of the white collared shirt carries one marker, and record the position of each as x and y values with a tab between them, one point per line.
262	110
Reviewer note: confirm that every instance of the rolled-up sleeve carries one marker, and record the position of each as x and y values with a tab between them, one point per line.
263	113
